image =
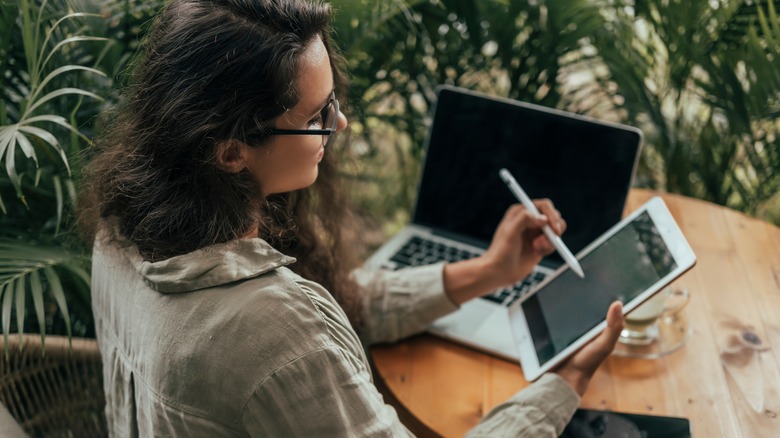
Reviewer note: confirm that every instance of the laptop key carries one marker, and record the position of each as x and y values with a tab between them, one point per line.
408	251
512	299
493	298
401	259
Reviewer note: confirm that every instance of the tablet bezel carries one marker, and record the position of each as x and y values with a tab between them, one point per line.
676	243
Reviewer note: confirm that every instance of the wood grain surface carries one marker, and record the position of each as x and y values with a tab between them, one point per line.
443	389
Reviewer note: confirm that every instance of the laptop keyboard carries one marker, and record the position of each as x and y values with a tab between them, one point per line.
418	251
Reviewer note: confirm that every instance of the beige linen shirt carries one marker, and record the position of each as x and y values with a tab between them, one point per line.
227	341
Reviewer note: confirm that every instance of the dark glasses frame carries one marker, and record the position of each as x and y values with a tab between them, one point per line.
326	133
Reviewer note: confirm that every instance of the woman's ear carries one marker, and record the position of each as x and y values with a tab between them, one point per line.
231	156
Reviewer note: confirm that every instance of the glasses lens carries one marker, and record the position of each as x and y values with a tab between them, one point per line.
334	120
330	120
327	116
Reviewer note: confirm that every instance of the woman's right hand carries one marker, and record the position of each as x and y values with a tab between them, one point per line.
517	246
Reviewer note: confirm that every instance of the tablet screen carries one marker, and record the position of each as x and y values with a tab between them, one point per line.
621	268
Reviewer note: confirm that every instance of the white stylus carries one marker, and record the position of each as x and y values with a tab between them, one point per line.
520	194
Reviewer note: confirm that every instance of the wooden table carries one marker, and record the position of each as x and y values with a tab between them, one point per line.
444	389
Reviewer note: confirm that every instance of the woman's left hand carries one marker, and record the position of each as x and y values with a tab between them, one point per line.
580	367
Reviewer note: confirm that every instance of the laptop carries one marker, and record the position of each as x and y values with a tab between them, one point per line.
585	166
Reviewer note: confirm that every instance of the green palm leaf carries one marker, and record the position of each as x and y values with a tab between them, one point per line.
20	309
8	293
59	294
33	96
58	93
703	82
24	266
64	69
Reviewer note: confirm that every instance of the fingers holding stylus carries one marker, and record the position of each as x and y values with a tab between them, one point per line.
553	219
521	219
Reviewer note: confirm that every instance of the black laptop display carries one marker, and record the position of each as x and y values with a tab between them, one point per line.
586	168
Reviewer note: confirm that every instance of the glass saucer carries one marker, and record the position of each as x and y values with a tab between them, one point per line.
673	332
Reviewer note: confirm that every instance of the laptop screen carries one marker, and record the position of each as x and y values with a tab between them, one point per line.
585	167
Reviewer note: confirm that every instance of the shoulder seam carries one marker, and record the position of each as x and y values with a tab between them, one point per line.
324	320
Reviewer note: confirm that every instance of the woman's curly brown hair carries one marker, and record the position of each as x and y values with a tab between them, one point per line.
213	71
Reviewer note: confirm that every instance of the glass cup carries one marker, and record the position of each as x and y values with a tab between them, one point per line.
642	323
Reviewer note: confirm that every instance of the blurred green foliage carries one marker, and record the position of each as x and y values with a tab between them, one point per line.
703	82
701	78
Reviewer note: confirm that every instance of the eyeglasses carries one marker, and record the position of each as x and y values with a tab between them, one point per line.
330	121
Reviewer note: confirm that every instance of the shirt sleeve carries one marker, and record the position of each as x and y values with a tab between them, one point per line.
398	304
540	410
321	394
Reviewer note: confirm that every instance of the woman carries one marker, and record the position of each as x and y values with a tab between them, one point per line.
220	291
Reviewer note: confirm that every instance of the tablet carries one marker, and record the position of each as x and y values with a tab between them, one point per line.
630	262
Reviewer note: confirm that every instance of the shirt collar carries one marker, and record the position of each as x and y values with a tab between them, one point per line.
210	266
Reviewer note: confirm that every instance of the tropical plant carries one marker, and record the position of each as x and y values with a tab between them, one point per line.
398	52
702	78
45	80
699	77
